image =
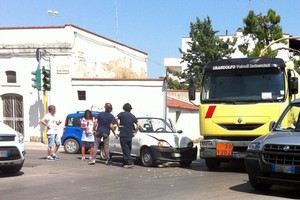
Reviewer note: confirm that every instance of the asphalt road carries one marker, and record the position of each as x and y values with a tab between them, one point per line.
71	178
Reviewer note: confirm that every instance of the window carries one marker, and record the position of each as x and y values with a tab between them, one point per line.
81	95
11	77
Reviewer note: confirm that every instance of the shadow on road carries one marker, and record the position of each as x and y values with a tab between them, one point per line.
3	175
236	166
275	191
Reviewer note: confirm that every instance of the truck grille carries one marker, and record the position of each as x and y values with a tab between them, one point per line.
240	127
281	154
7	138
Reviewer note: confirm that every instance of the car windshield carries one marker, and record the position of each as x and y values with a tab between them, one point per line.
150	125
289	120
243	86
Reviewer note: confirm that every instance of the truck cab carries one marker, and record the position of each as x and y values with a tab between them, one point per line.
239	98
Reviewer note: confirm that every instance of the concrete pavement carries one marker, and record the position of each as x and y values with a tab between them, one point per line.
71	178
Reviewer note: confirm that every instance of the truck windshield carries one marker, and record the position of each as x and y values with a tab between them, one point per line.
251	85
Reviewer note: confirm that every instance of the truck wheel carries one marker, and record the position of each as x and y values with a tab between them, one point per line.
147	158
259	184
212	163
71	146
12	169
185	163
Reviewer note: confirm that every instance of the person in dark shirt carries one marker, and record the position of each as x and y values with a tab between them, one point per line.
105	124
128	126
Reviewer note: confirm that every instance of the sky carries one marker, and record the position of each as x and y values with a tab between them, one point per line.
153	26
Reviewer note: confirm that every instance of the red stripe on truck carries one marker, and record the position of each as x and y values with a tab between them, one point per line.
210	112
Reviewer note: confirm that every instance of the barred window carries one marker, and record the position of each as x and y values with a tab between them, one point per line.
81	95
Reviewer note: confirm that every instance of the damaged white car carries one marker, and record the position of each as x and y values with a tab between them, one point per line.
157	142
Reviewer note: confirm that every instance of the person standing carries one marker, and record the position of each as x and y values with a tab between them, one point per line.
52	123
128	125
105	124
87	125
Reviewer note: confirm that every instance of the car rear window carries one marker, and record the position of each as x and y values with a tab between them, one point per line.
74	121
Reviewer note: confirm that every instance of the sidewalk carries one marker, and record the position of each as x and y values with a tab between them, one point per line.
35	146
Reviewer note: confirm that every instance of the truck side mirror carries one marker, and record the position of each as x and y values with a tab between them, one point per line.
293	85
192	90
272	125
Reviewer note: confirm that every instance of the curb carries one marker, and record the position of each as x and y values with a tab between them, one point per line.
36	146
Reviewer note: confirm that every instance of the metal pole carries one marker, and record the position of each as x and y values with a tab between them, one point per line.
45	112
117	20
262	52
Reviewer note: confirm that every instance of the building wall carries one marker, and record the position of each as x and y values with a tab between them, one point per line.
145	96
177	63
70	52
187	121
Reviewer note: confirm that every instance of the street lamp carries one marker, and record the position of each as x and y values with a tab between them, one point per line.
54	14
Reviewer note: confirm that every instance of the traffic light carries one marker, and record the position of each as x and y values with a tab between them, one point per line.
46	79
36	79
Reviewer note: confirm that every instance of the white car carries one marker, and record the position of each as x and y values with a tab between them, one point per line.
12	150
157	142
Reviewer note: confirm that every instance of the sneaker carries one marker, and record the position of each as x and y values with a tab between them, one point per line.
91	158
50	158
108	162
54	156
83	158
92	162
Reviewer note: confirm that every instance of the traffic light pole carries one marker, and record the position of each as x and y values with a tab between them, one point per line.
45	112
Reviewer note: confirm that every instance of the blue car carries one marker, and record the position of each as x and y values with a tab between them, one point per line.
71	138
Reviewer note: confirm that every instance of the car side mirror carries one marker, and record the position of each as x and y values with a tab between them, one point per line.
179	131
293	85
272	125
192	90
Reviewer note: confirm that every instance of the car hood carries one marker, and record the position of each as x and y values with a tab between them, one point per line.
282	137
174	139
6	130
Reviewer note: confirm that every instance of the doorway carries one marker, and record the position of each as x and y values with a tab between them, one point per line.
13	111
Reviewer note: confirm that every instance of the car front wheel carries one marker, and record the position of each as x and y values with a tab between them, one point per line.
12	169
259	184
147	158
71	146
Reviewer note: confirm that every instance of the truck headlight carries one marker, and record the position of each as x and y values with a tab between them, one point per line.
20	138
254	146
206	144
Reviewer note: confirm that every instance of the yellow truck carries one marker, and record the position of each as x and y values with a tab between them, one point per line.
240	98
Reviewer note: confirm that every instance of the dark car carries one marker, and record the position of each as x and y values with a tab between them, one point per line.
275	158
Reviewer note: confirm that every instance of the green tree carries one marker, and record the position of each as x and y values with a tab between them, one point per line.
260	29
205	46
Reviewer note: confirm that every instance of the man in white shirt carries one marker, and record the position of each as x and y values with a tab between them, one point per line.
51	123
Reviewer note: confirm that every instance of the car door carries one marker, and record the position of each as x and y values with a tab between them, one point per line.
136	141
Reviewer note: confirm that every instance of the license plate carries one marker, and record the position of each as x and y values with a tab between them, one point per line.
4	154
224	149
283	169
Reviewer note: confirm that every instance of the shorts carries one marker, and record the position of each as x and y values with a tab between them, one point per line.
53	140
